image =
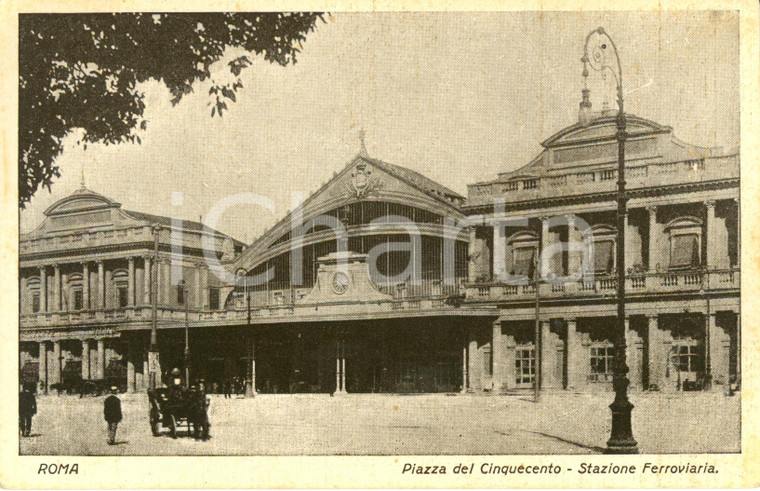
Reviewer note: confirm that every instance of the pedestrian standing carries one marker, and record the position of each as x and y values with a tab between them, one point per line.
112	413
27	407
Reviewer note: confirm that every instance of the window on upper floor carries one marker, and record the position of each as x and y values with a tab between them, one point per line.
78	299
213	298
684	250
121	287
180	294
523	261
604	256
35	302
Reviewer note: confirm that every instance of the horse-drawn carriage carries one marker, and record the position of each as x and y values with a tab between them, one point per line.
171	407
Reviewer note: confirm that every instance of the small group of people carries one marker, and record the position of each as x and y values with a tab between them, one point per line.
27	408
235	385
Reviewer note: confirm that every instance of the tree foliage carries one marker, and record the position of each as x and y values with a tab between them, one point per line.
82	72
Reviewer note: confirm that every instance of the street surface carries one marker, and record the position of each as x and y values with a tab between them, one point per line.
562	423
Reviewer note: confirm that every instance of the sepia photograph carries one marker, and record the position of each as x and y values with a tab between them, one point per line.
298	233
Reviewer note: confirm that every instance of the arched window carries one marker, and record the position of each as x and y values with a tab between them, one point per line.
121	287
33	289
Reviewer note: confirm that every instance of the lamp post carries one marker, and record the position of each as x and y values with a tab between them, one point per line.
186	362
154	368
600	53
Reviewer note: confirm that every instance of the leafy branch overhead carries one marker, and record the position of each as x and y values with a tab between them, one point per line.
82	72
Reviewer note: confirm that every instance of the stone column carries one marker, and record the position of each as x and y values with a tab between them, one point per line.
131	284
545	263
166	282
548	356
130	366
86	359
576	369
574	257
146	280
101	304
43	290
146	371
199	289
43	365
498	356
56	288
721	348
100	369
509	360
474	369
499	253
340	367
654	239
656	354
55	373
632	359
710	230
86	285
204	288
252	351
738	233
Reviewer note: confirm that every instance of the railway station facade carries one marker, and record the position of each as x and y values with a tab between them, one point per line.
383	280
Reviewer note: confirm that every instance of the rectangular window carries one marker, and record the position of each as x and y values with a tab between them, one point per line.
123	293
684	251
687	358
35	302
523	261
213	298
78	303
525	366
602	358
180	294
604	256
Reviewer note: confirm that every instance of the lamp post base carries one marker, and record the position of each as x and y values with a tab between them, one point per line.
154	368
621	441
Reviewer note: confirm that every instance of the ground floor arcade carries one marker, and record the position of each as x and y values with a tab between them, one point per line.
498	354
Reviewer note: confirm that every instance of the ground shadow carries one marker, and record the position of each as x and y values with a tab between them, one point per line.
570	442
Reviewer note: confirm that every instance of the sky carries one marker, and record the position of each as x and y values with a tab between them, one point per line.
456	96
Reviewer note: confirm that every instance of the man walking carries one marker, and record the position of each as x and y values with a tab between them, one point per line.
27	407
112	413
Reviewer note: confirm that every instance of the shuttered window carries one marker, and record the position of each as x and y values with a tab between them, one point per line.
684	251
604	256
523	261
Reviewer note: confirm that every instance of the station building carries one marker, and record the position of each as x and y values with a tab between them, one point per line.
383	280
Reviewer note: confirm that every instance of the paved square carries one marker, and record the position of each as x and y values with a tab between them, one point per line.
562	423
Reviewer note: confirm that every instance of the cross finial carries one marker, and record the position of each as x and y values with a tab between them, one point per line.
81	182
363	149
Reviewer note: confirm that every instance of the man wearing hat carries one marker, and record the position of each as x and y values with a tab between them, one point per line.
112	413
27	407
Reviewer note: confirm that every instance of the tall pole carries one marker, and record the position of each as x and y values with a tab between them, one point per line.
537	334
154	369
185	297
595	54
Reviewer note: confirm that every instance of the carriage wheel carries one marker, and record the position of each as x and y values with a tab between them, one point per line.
154	423
172	426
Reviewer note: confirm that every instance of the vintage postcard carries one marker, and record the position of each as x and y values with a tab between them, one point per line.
395	245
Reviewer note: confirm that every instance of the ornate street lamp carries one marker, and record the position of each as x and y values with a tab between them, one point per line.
186	360
600	53
154	367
